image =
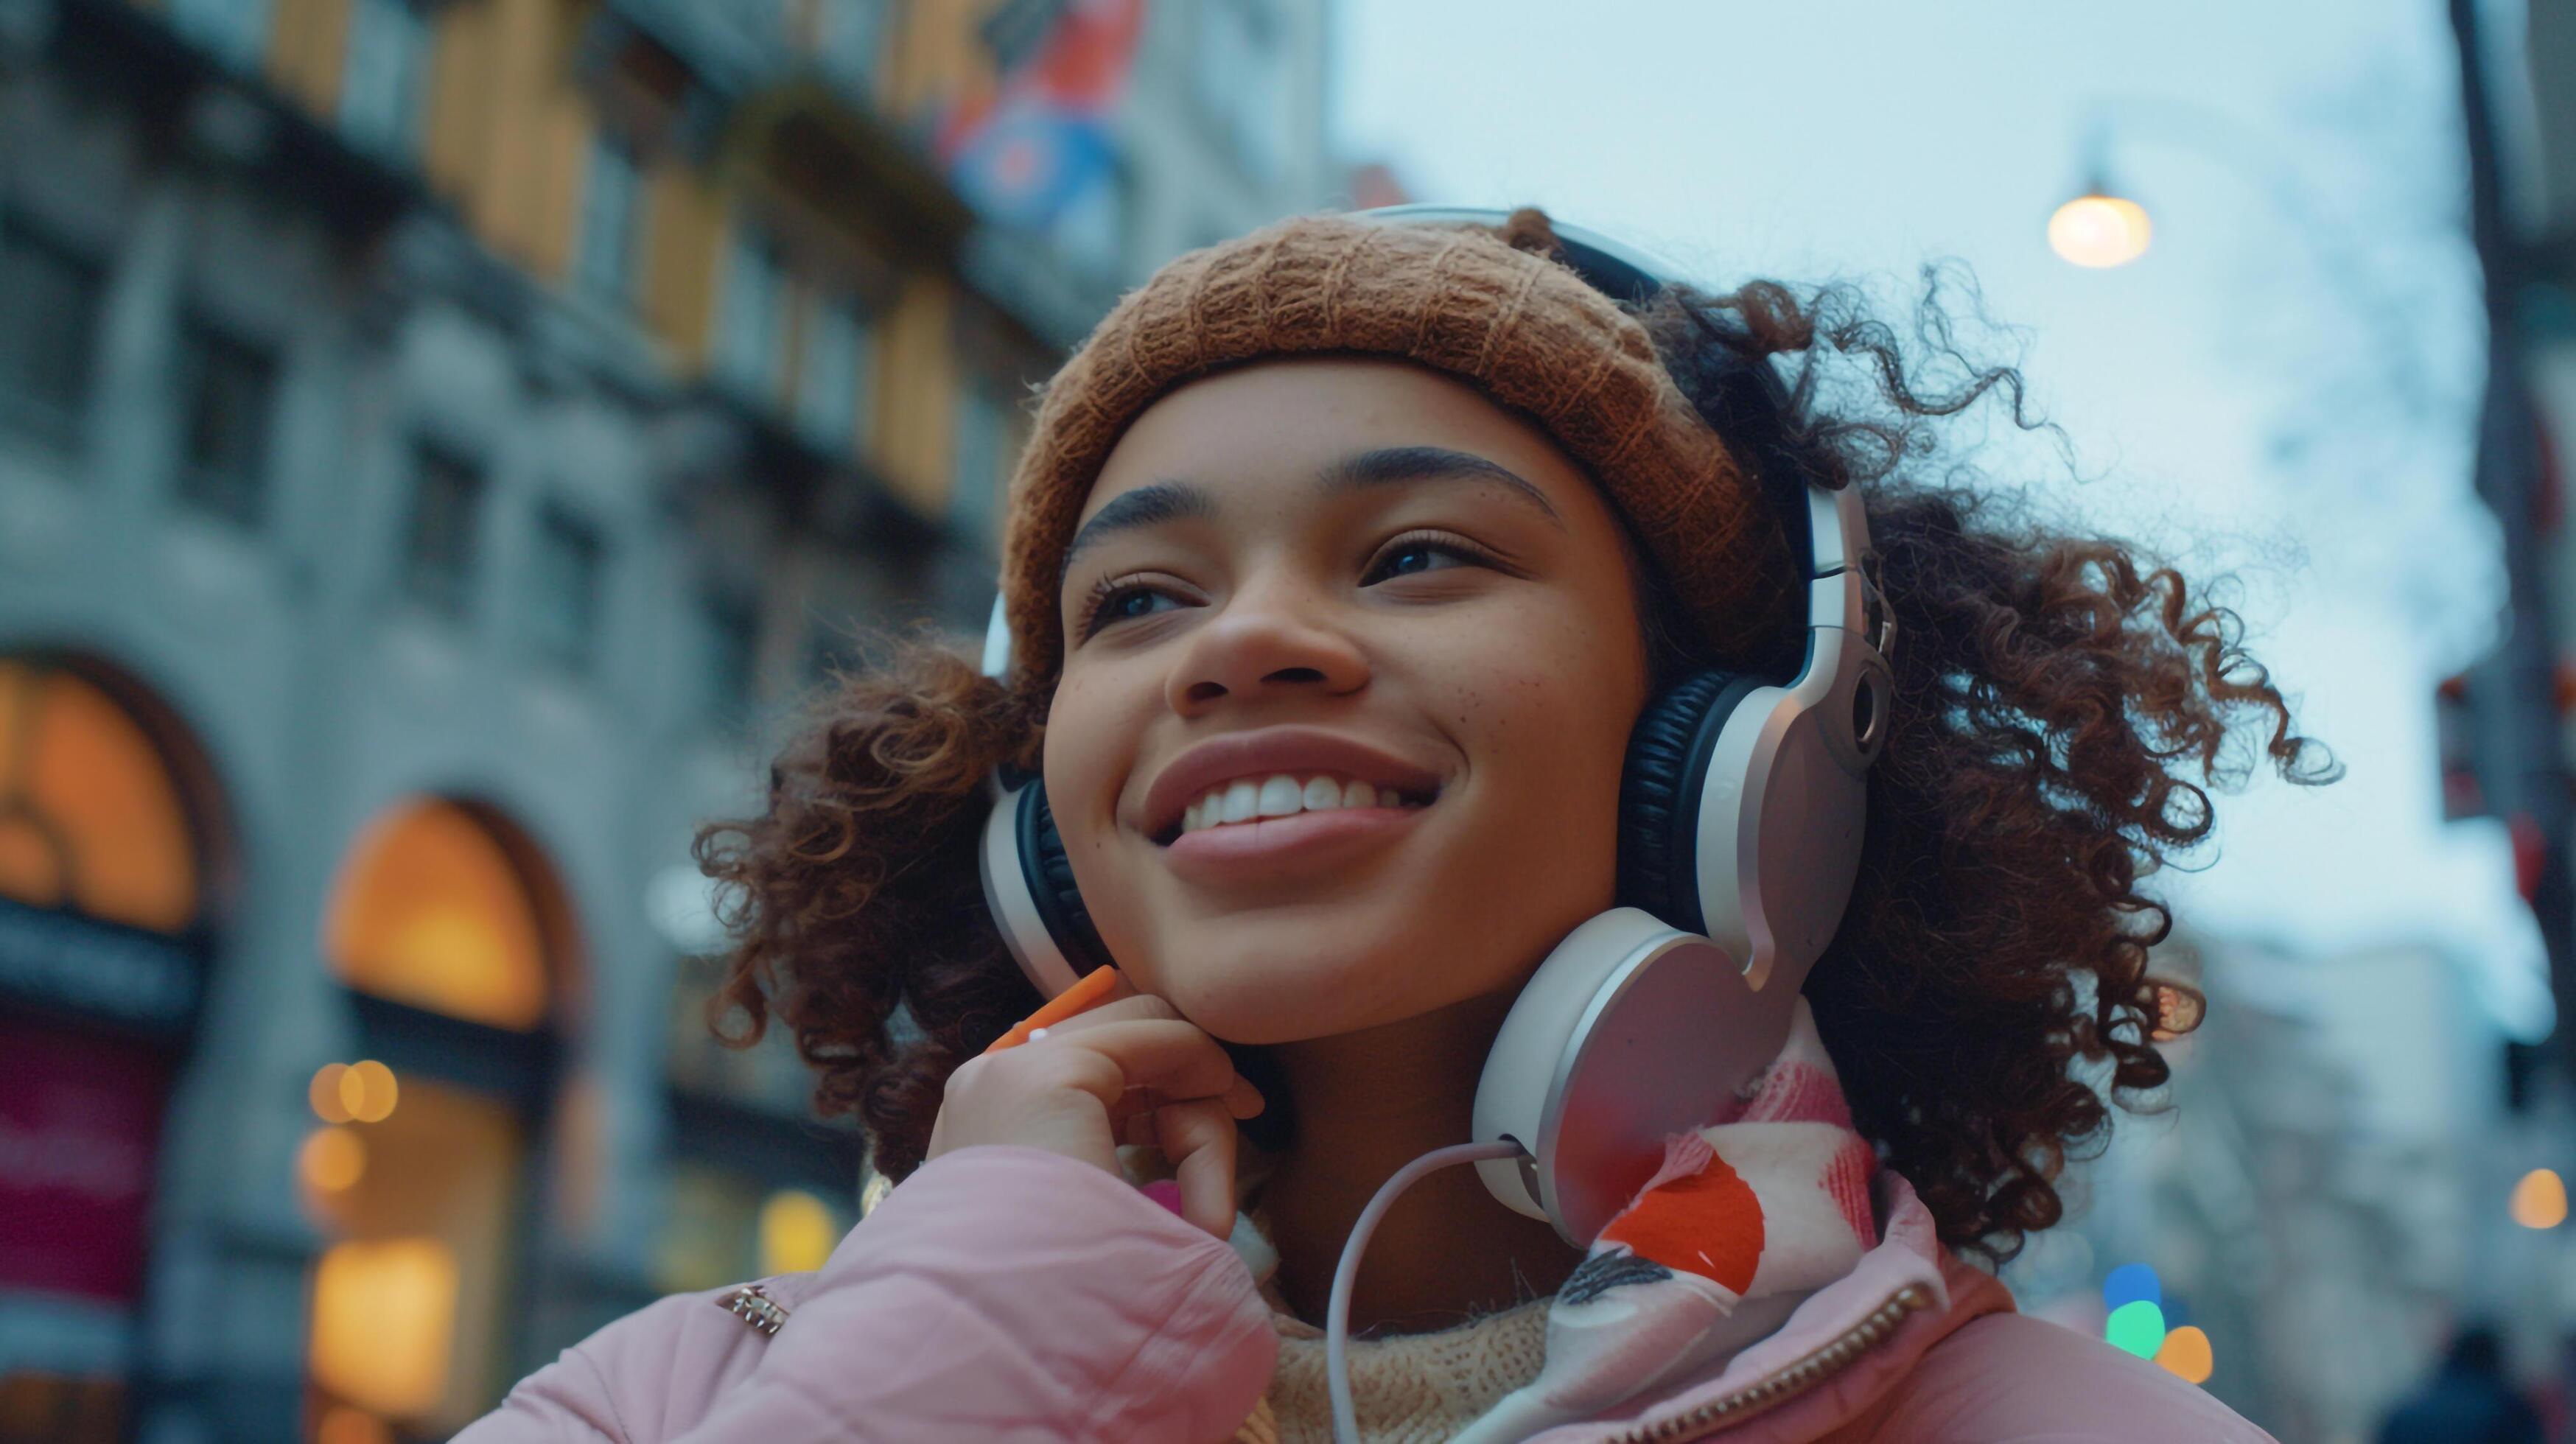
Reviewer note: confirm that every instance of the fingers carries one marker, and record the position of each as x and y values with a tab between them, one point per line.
1198	1137
1172	1058
1125	1069
1241	1098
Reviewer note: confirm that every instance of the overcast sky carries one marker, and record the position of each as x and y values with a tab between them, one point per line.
2281	388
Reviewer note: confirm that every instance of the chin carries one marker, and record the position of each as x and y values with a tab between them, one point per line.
1296	983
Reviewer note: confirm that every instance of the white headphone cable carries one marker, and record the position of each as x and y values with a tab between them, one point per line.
1337	1314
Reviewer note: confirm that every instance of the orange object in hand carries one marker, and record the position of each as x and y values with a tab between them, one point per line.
1100	985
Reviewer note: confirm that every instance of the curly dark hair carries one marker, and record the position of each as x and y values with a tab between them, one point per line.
2063	702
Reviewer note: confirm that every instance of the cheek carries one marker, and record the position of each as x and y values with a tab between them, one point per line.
1084	760
1550	695
1543	713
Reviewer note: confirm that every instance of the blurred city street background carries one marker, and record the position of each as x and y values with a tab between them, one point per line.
443	441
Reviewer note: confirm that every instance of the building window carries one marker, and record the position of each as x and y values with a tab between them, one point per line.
380	95
228	386
1241	80
605	265
446	518
50	297
449	930
92	816
833	378
747	337
431	909
563	615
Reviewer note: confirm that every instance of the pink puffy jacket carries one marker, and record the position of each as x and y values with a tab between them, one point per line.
1007	1293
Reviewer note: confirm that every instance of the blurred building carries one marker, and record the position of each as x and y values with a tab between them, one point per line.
2327	1195
2505	722
438	441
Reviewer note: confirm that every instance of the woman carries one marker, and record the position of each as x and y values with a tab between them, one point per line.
1415	516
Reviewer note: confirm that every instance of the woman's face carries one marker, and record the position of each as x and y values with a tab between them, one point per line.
1312	581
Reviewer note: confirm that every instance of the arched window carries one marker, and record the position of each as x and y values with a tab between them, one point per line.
107	818
433	911
90	818
449	930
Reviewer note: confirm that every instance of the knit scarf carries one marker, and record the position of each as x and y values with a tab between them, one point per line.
1747	1216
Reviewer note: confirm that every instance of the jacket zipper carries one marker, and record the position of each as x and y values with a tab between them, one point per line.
752	1304
1804	1373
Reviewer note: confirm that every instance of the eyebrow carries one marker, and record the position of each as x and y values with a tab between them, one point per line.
1165	501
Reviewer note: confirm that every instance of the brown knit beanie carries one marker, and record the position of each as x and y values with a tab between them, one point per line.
1461	299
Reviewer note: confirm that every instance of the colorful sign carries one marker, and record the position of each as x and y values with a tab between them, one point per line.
80	1124
1024	153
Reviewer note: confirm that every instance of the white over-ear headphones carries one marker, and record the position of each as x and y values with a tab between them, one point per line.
1741	807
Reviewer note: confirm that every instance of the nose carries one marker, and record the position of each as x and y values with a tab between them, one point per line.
1276	636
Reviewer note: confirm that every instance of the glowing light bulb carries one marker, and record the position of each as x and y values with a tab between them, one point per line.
2099	231
2539	1200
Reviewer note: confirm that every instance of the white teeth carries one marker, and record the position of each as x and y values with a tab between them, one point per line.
1282	795
1242	800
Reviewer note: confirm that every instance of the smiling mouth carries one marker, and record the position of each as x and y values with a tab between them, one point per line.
1249	800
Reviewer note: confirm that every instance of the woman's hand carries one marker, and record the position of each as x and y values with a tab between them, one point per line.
1133	1070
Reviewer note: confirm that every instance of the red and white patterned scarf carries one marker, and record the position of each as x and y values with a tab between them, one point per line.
1747	1217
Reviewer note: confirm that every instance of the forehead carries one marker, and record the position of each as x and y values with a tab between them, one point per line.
1282	421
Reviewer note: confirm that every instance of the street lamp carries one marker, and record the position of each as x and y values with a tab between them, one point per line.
2099	231
2100	227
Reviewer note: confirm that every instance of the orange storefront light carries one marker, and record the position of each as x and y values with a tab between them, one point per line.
384	1314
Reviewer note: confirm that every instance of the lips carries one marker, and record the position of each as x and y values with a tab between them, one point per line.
1271	751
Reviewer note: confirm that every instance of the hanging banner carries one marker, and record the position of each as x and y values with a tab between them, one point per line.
1024	153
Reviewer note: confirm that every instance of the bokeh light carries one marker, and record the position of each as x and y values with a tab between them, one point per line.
2539	1200
2130	1283
332	1160
2099	231
796	1232
2185	1352
324	1093
384	1322
368	1091
2137	1327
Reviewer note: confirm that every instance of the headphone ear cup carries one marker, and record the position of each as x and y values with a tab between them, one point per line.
1050	878
1660	786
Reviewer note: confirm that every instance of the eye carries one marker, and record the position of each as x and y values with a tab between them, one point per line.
1410	555
1117	600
